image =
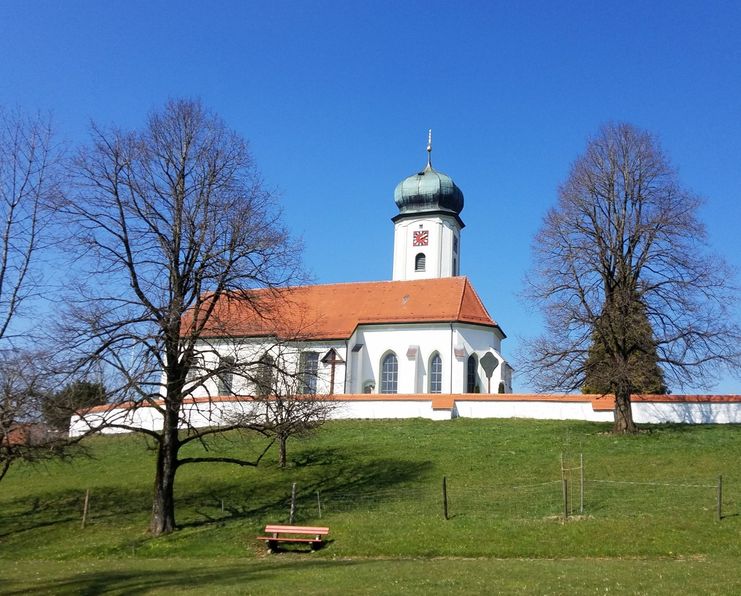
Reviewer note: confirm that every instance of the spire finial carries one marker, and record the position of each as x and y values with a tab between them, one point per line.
429	148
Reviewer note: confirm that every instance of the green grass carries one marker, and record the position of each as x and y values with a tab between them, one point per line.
306	575
380	487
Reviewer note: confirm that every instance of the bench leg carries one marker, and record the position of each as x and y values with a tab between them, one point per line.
272	546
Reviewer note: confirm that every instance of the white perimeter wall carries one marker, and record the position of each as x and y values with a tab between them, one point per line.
205	413
543	410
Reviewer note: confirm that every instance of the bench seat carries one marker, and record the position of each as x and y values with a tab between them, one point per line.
312	535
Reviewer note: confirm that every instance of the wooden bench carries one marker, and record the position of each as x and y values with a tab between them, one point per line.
294	534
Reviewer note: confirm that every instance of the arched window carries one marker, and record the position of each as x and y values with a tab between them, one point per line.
471	377
420	262
436	373
308	370
225	375
389	373
501	387
264	376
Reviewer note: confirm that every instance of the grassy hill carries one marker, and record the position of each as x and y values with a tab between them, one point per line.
648	521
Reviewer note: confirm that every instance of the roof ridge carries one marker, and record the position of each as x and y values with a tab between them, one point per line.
478	299
357	283
463	295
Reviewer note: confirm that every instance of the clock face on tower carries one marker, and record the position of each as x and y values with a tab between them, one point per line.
420	238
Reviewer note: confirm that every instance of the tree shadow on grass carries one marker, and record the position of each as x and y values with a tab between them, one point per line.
180	576
350	471
106	504
344	473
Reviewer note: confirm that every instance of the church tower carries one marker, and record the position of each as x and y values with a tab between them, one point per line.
427	229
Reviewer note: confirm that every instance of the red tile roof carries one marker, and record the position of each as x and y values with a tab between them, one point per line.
333	311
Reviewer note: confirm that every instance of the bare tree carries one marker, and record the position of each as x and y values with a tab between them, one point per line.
171	218
623	244
286	403
28	187
24	390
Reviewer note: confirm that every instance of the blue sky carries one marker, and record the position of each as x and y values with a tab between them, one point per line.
336	99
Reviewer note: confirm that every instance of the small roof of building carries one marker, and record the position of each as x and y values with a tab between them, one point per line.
334	311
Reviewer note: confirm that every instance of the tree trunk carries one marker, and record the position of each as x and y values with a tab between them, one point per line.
5	466
163	507
623	413
282	440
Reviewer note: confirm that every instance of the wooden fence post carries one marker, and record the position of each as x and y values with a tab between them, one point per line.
720	498
445	497
292	514
565	498
85	508
581	482
562	474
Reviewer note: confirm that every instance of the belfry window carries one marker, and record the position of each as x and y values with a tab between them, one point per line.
436	373
420	262
389	373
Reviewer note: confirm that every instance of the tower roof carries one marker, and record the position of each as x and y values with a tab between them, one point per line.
428	190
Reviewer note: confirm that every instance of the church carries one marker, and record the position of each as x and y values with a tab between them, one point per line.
425	331
419	345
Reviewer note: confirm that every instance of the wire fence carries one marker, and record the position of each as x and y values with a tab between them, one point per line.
571	496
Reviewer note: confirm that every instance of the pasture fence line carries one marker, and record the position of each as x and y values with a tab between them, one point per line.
575	495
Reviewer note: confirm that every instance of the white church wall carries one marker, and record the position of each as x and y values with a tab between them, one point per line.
414	377
378	340
287	356
471	339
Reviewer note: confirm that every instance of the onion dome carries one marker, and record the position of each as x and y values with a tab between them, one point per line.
429	190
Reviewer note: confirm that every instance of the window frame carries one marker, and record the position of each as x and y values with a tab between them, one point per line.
264	377
435	376
472	376
308	372
225	378
389	379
